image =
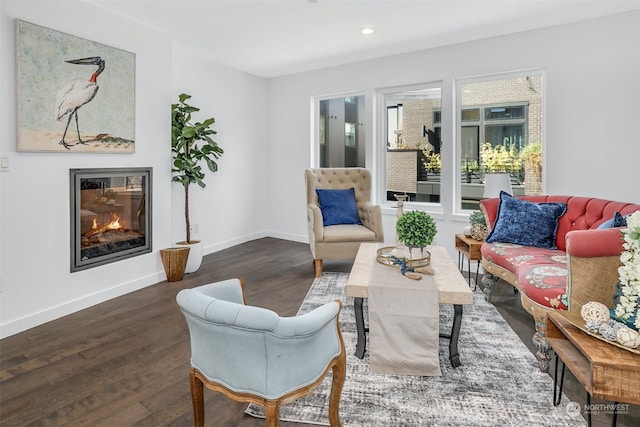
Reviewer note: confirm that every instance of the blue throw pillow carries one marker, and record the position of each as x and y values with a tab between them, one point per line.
338	207
617	221
526	223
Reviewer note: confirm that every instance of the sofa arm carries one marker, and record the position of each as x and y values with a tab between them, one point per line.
594	243
593	259
489	207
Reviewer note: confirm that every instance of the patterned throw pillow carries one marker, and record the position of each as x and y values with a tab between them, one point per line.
338	207
526	223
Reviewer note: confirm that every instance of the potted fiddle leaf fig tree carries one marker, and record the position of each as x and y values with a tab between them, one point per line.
191	146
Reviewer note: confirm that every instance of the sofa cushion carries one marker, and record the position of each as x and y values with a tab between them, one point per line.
526	223
546	283
540	273
617	221
338	206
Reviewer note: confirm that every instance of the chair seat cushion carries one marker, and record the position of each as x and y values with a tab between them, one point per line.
541	273
348	233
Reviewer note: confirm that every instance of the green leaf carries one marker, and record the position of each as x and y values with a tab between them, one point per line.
188	132
213	166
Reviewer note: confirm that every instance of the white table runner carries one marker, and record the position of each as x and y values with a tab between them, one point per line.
404	317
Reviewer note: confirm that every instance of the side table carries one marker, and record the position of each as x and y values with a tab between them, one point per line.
604	370
468	248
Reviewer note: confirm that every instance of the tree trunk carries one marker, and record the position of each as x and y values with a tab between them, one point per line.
186	212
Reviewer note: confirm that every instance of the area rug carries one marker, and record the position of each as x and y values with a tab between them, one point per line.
498	384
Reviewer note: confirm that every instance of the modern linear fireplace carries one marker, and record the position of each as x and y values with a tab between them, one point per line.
110	215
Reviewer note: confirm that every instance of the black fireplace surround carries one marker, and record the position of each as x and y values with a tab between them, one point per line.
110	215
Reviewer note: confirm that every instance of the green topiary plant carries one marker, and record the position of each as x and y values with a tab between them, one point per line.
416	229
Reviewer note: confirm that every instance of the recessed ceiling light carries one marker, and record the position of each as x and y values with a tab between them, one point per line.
367	31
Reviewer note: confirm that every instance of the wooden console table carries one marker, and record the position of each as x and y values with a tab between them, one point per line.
606	371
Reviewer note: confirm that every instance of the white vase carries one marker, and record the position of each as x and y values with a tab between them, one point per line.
195	255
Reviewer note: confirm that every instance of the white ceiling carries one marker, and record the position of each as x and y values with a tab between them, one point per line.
273	38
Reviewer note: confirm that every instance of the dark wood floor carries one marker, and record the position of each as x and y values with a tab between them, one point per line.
125	362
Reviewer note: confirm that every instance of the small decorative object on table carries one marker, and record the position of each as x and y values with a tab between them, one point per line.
595	311
478	225
390	255
599	324
628	337
627	296
414	230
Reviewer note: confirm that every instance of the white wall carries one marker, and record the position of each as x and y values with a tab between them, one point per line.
592	145
36	285
228	211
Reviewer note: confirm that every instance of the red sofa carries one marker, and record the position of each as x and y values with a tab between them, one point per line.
583	268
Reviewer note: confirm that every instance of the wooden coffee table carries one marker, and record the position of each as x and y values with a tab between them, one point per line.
452	288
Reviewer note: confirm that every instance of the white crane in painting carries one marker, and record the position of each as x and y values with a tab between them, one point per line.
77	93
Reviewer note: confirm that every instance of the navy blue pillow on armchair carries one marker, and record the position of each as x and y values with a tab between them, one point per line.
526	223
338	207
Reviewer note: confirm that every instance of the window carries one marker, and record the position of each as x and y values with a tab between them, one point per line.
411	123
500	114
341	134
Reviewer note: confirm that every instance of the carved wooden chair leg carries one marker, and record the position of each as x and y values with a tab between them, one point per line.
272	413
339	372
197	399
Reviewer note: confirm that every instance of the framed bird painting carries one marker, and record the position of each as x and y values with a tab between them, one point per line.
73	95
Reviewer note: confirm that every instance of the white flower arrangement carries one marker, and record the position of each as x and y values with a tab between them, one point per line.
627	308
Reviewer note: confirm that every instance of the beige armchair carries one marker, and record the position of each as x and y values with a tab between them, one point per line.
340	240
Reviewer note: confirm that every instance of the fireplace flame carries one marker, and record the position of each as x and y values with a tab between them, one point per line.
115	222
113	225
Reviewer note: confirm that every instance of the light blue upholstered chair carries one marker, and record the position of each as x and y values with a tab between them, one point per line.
253	355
